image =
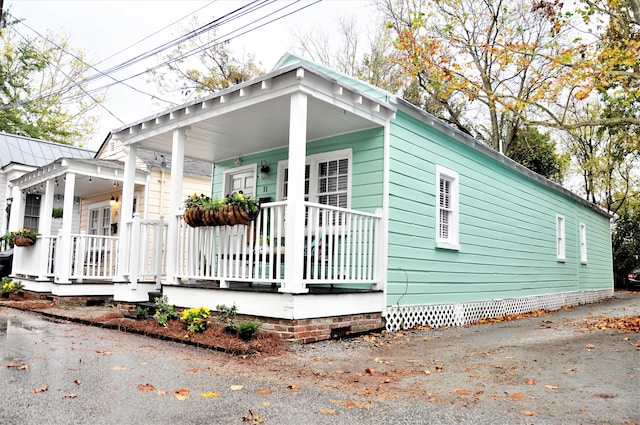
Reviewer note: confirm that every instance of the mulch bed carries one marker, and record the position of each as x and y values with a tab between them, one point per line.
214	337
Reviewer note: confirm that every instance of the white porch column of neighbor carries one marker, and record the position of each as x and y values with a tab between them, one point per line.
128	186
63	268
294	224
44	228
175	202
16	219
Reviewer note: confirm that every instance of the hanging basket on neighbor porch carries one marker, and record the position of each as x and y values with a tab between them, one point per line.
234	209
22	237
23	241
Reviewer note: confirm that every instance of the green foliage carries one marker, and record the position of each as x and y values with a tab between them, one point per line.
164	311
39	92
57	212
626	242
538	153
8	286
226	315
141	312
196	319
246	329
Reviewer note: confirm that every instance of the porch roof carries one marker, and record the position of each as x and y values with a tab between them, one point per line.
94	176
254	116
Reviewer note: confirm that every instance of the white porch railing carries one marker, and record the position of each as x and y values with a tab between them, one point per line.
36	260
146	248
92	257
340	247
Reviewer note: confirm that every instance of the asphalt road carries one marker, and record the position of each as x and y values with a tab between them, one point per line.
549	369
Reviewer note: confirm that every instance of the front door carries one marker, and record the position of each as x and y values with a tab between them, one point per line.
241	180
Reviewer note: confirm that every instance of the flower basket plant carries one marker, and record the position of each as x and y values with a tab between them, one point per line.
22	237
234	209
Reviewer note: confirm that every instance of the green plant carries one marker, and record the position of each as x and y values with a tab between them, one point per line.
9	286
141	312
246	329
196	319
57	212
226	315
164	311
22	233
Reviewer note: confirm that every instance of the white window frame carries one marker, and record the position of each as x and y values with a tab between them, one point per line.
452	241
561	240
583	243
99	206
313	161
228	173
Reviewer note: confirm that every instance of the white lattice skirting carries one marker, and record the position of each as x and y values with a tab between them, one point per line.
437	315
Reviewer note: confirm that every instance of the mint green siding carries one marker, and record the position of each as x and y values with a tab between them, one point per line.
507	227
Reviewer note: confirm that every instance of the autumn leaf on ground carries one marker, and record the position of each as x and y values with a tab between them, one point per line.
529	413
209	394
119	368
516	396
551	387
370	370
461	391
146	387
70	395
265	403
104	352
181	394
77	381
254	418
40	390
328	411
351	403
293	387
530	381
194	370
162	392
263	392
589	347
18	366
236	387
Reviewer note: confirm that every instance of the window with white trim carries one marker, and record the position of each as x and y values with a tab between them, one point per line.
447	208
583	243
560	238
32	212
326	178
100	221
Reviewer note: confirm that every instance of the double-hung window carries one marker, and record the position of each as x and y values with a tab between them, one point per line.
100	221
583	243
326	178
32	212
447	208
560	238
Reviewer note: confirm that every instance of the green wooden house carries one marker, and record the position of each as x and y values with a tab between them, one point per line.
373	214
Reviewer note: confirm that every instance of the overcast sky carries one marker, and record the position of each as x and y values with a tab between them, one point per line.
104	28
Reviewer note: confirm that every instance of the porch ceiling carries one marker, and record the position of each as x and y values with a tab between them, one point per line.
254	117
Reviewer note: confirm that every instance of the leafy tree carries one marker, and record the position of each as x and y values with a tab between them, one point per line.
537	152
626	243
202	65
40	96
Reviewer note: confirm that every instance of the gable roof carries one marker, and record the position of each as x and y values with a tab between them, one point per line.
35	152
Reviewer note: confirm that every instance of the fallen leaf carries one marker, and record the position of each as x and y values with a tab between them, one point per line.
19	366
589	346
209	394
328	411
181	397
516	396
119	368
264	392
551	387
370	370
439	368
461	391
385	380
70	396
236	387
41	390
529	413
530	381
266	403
604	396
192	370
77	381
293	387
162	392
254	418
182	391
146	387
104	352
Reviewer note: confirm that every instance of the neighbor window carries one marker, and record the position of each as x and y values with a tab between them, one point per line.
447	208
100	221
32	212
583	243
560	238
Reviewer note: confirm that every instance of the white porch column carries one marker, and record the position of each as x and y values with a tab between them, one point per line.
63	267
175	202
126	209
294	224
44	228
16	220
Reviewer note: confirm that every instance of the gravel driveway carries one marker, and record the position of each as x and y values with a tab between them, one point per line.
551	368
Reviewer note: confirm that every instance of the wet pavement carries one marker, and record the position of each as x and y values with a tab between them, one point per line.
541	370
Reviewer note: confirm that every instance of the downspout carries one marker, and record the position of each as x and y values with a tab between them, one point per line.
384	231
146	196
161	191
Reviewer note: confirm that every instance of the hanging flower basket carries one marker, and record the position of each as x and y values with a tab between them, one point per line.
23	241
235	209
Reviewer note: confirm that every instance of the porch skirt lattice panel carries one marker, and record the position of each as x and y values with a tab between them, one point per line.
458	314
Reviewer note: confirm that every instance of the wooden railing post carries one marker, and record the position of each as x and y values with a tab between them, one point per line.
134	262
158	245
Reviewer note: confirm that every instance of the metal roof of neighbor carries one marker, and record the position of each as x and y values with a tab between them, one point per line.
34	152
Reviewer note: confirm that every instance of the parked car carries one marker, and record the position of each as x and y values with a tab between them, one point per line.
633	279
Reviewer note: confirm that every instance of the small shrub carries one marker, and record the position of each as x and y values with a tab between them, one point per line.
164	311
196	319
226	315
8	286
246	329
141	312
